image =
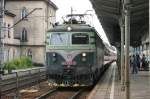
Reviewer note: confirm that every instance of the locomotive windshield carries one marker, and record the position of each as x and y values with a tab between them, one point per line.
59	39
80	38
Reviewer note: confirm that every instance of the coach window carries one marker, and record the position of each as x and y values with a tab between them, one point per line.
80	38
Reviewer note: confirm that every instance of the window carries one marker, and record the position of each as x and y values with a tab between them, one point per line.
29	53
14	53
24	12
8	30
5	29
24	35
8	56
59	39
80	38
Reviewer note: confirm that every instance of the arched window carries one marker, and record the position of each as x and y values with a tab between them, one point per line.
29	53
8	55
14	53
24	35
8	30
24	12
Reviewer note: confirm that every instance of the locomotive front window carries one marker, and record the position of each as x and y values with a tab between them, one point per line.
59	39
80	38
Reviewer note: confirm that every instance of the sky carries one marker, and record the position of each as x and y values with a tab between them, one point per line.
79	7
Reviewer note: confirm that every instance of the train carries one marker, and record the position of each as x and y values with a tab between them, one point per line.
74	54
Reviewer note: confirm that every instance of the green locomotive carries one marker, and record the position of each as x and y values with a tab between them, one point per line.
74	54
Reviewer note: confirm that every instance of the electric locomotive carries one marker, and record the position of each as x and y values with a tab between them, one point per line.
74	54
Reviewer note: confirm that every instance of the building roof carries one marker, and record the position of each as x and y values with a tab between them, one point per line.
51	3
109	13
9	13
47	1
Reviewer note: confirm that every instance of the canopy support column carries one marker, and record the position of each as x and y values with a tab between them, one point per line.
127	44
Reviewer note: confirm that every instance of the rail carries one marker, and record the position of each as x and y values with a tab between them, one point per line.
65	93
44	96
21	79
77	94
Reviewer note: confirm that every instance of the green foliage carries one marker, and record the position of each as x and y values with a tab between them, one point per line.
9	66
18	63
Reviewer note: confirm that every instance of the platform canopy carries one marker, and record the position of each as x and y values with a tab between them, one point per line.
109	13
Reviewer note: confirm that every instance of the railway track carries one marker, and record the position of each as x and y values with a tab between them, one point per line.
46	95
22	79
25	79
63	93
80	93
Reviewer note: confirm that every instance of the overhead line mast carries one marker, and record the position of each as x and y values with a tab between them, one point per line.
1	34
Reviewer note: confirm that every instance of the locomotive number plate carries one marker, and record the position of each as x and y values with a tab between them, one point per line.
69	63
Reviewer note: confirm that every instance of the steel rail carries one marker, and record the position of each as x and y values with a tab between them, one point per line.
45	95
78	93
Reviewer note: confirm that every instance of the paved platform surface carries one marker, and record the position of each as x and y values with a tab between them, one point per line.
140	85
109	86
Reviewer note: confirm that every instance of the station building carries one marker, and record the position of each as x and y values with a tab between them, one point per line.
31	31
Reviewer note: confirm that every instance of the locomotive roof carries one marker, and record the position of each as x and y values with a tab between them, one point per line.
75	28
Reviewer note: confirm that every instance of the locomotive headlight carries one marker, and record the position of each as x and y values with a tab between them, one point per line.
69	28
54	54
83	54
54	57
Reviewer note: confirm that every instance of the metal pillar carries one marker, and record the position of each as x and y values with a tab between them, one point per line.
127	44
149	35
122	54
1	34
149	43
119	61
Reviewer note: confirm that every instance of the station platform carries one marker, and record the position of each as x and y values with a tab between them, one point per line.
109	86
